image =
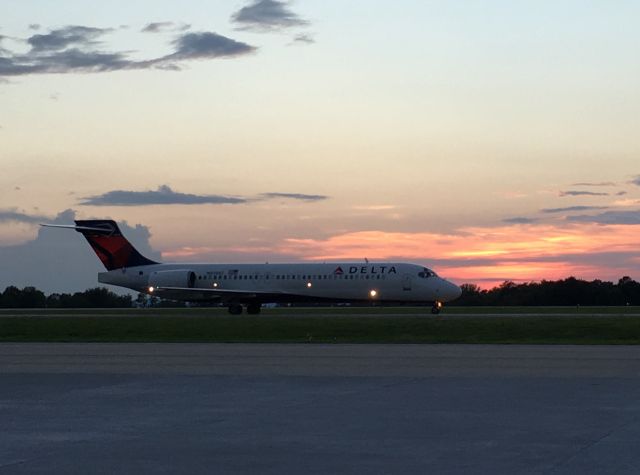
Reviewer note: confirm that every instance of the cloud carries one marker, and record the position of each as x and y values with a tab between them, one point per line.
164	26
76	49
636	180
621	193
3	51
207	45
582	193
490	255
13	215
374	207
572	208
519	220
626	202
609	217
60	260
164	195
57	40
303	39
267	15
295	196
600	183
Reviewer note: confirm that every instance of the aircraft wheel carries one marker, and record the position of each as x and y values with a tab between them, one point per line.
235	309
436	308
253	309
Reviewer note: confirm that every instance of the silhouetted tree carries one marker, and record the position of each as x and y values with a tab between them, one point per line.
569	291
30	297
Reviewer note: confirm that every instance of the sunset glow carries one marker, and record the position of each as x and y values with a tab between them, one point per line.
482	148
485	256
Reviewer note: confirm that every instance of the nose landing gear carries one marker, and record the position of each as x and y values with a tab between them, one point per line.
437	306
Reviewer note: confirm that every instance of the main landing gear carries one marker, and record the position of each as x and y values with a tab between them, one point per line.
235	309
252	309
437	306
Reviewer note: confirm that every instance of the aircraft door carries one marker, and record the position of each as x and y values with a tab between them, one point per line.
406	282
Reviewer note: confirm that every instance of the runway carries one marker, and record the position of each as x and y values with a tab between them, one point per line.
382	313
247	408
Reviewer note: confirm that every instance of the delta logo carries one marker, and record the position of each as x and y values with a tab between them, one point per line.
367	270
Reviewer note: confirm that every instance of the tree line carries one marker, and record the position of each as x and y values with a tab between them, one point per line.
30	297
570	291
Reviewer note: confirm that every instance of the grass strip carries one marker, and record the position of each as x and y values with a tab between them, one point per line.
517	330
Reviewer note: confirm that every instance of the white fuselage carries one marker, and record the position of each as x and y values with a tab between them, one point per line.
346	281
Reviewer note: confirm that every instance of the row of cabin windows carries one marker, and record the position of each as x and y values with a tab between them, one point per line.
293	276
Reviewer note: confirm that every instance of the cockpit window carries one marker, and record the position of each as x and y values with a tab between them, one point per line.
426	273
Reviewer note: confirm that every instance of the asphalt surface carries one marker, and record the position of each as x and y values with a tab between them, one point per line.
236	408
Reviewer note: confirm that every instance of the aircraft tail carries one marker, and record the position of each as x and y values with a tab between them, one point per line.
111	247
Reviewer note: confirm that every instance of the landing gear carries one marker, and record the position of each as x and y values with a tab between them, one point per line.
235	309
253	308
437	306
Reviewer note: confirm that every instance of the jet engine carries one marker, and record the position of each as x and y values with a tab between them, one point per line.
172	278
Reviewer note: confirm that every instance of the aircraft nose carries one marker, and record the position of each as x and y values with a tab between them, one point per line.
450	291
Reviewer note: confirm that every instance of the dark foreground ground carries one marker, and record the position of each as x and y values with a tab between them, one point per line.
271	408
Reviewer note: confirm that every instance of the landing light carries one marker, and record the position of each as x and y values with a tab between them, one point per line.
151	289
373	293
308	285
215	284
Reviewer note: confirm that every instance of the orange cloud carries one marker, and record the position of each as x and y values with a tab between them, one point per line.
488	255
482	255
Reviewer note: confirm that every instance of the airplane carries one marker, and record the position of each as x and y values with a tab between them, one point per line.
251	285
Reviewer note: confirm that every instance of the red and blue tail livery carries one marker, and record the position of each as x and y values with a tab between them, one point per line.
110	245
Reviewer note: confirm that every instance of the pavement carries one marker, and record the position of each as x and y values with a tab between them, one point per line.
308	408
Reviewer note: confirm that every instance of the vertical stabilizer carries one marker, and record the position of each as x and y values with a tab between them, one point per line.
110	245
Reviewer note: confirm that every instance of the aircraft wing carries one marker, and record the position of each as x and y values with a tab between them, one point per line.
221	292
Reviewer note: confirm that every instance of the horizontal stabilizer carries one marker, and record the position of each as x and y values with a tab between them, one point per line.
103	229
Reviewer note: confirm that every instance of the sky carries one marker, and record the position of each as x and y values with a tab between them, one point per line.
492	140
